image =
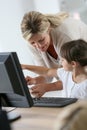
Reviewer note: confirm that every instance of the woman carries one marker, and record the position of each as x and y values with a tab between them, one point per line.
46	34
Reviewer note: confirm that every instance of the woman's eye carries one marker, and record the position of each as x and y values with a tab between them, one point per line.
32	43
41	40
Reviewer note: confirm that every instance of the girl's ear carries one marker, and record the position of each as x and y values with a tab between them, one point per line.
74	64
85	69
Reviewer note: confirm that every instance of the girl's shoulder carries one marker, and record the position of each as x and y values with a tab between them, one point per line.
62	73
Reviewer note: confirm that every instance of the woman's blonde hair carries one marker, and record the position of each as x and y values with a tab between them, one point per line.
37	23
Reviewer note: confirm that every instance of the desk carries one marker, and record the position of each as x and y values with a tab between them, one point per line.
36	118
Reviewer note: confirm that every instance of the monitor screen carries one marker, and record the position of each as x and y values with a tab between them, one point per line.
13	87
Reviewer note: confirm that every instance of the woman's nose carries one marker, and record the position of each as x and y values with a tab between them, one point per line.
39	45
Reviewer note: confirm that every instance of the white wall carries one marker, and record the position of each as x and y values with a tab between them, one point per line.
47	6
75	7
11	13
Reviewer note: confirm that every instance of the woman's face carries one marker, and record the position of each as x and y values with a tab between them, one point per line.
40	41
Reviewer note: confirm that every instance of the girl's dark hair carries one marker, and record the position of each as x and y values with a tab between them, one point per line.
75	51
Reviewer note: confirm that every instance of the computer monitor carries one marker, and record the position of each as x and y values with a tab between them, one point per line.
13	87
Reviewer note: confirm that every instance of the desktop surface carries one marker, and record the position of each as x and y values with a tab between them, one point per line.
36	118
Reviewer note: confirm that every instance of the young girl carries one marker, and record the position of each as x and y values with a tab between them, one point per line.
72	75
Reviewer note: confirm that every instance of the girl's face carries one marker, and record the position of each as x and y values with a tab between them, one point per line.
67	66
40	41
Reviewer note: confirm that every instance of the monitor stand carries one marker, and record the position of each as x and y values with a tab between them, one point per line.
11	114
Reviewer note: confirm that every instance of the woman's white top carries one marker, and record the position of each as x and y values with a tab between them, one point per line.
70	88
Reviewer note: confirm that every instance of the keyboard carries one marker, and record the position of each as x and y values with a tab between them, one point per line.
53	101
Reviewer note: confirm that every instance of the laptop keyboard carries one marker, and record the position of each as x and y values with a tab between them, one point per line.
53	101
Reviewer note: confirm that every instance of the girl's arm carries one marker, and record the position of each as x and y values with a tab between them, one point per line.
48	72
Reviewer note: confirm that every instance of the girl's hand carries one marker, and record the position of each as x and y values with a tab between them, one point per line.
30	80
38	90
